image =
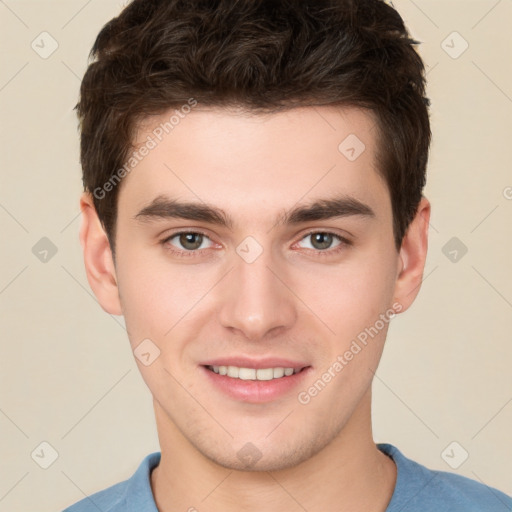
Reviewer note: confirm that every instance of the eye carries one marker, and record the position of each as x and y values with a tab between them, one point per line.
190	243
323	240
188	240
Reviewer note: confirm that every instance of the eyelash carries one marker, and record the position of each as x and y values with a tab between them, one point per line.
344	242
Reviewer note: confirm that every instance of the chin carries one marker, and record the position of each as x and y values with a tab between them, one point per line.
265	455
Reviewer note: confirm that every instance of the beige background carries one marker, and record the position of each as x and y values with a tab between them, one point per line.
67	375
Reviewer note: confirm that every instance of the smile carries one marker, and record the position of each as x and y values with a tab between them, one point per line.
241	373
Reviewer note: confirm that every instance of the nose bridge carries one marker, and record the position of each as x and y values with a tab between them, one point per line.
254	299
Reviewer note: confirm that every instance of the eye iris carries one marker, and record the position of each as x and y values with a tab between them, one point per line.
321	240
188	238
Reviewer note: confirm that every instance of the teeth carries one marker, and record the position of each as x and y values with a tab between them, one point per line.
252	374
278	373
246	373
265	374
233	371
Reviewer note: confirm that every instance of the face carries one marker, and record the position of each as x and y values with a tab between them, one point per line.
260	246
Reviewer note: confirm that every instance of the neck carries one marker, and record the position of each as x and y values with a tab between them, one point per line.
350	471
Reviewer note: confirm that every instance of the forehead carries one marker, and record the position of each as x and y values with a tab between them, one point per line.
255	163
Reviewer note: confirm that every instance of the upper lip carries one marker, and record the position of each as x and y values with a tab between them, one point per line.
245	362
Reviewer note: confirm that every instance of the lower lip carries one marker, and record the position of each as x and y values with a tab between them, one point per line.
255	391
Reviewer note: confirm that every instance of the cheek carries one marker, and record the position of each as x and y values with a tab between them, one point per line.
355	299
350	296
145	291
353	304
157	297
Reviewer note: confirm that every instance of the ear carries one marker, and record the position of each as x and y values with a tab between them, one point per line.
412	256
99	263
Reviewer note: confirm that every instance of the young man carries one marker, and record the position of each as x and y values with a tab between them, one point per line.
253	206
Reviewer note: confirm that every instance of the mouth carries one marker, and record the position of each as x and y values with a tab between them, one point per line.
262	374
255	381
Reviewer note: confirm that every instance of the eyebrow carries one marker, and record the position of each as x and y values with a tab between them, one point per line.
163	207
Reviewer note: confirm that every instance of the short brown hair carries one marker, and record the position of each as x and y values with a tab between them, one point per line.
263	55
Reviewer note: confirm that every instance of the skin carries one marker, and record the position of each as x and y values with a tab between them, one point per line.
291	302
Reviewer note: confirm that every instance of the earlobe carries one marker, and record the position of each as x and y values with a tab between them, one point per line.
98	260
412	257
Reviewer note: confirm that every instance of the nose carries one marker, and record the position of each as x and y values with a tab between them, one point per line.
256	299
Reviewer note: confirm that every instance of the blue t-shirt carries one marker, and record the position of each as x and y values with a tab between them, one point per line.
417	489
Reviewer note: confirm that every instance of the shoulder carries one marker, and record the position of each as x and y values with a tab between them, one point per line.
132	494
103	500
421	489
